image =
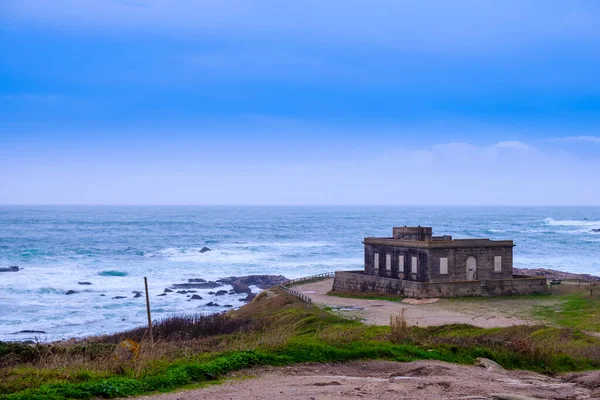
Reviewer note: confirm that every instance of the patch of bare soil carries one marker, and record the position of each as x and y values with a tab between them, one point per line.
422	380
485	313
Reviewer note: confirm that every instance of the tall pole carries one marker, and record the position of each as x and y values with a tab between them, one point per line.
148	310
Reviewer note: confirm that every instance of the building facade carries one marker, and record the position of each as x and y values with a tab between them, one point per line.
415	263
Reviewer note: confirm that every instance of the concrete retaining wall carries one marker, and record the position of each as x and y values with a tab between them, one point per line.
358	281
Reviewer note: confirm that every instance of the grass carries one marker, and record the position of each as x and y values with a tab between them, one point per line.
275	329
576	310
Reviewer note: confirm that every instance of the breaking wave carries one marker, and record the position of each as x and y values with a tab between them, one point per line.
572	222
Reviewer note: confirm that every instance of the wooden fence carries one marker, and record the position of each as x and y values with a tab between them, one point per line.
313	278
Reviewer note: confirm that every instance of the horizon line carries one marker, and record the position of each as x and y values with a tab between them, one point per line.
288	205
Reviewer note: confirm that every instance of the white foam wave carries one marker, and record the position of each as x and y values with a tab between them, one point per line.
193	254
572	222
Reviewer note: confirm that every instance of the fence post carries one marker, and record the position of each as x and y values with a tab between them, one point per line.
148	312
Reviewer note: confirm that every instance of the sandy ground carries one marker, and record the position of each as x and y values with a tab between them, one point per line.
422	380
485	313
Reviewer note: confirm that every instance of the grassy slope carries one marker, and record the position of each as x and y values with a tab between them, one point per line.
577	310
277	329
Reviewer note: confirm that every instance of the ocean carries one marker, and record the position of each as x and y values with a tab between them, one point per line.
114	247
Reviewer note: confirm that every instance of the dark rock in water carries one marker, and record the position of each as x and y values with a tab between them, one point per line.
211	304
71	292
211	292
196	280
137	295
167	290
162	294
239	287
181	292
28	331
137	291
595	230
242	300
262	281
119	297
192	291
204	249
12	268
102	295
228	305
196	297
204	285
84	283
250	297
221	292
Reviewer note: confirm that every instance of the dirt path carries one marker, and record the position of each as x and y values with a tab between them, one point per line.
485	313
422	380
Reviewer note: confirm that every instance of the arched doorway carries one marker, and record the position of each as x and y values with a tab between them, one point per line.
471	268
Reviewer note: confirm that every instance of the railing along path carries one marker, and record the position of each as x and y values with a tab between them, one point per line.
285	285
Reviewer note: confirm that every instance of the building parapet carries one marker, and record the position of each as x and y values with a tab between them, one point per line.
439	243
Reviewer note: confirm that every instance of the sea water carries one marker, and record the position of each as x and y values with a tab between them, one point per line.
113	248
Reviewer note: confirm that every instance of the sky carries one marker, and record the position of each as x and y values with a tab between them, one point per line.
382	102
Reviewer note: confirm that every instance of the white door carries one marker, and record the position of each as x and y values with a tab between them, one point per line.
471	269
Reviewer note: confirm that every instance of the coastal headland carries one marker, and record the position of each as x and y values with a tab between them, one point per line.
294	348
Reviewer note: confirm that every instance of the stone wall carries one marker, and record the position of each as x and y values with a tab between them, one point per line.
429	262
457	263
358	281
398	271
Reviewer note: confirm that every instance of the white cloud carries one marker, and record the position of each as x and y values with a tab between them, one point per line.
444	174
513	144
588	139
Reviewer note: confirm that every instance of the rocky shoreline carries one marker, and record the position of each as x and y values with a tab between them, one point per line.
555	274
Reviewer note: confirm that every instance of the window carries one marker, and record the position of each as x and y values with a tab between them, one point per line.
376	262
497	263
414	265
443	266
388	262
401	264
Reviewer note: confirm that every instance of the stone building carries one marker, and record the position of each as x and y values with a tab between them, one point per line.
415	263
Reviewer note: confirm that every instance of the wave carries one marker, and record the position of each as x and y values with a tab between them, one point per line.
113	273
572	222
232	255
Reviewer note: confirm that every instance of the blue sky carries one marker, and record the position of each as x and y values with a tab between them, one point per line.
312	102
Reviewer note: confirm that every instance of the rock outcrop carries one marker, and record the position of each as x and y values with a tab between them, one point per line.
554	274
194	285
12	268
261	281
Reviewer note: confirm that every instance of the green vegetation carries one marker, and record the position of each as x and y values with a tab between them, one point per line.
577	310
275	329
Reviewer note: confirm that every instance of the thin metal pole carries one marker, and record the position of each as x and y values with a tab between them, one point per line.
148	310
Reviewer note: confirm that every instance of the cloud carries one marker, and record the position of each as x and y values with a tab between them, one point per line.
457	173
585	139
513	144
